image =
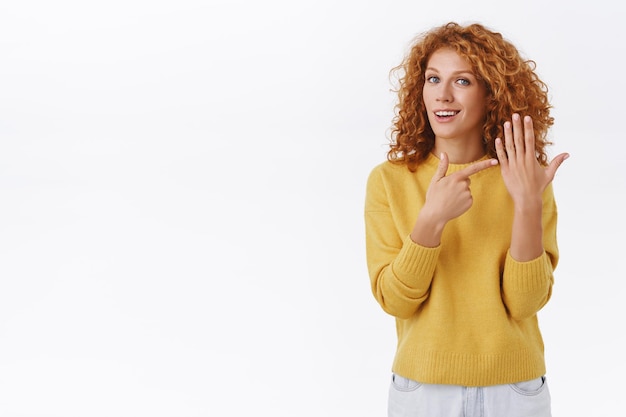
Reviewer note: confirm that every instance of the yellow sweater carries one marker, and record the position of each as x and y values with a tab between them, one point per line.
466	311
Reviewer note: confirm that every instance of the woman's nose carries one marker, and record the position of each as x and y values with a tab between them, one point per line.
444	93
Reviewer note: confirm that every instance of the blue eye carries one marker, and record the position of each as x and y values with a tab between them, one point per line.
463	81
432	79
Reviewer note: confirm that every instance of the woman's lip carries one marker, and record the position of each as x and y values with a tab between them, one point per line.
447	111
444	119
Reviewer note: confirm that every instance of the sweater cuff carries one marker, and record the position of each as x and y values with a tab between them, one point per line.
529	275
415	262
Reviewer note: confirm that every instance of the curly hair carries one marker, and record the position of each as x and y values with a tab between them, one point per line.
511	82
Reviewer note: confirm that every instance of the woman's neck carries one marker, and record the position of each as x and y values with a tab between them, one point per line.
459	151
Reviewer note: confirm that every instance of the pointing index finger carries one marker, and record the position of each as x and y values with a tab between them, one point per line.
477	167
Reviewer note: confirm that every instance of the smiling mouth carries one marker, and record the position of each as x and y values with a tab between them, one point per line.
446	113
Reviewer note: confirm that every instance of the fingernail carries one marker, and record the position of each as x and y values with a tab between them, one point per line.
515	116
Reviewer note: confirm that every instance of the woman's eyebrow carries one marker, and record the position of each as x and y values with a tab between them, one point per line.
468	71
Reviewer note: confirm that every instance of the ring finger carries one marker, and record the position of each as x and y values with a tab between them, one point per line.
509	143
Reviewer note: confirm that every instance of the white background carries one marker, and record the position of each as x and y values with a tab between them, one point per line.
181	198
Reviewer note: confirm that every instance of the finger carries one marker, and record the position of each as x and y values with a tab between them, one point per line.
529	138
555	164
476	167
442	168
509	146
518	135
501	153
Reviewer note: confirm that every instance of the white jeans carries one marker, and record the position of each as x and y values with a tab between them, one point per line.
414	399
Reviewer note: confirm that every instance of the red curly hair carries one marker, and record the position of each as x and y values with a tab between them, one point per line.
511	82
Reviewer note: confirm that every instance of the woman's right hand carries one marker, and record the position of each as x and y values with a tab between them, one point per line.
448	197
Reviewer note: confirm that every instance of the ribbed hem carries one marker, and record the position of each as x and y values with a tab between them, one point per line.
415	262
469	370
433	161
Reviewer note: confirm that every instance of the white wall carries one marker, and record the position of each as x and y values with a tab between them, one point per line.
181	196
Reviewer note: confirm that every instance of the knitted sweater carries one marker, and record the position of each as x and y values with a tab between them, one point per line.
466	311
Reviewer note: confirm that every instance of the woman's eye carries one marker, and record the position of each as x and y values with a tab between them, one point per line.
432	79
463	81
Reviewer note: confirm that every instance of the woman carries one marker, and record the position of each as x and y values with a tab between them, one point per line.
462	251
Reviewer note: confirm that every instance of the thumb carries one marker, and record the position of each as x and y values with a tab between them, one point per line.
442	168
556	163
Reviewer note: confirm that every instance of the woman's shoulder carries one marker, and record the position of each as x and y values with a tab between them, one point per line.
388	170
387	166
400	169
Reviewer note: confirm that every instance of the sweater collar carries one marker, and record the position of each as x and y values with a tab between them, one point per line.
433	161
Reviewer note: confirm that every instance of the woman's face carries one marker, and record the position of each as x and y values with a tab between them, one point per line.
455	99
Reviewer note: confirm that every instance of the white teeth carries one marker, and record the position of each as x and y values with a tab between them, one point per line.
446	113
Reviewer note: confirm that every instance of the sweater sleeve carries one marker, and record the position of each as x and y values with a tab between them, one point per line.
400	270
527	286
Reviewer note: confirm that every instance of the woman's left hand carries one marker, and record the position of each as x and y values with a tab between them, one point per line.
523	176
